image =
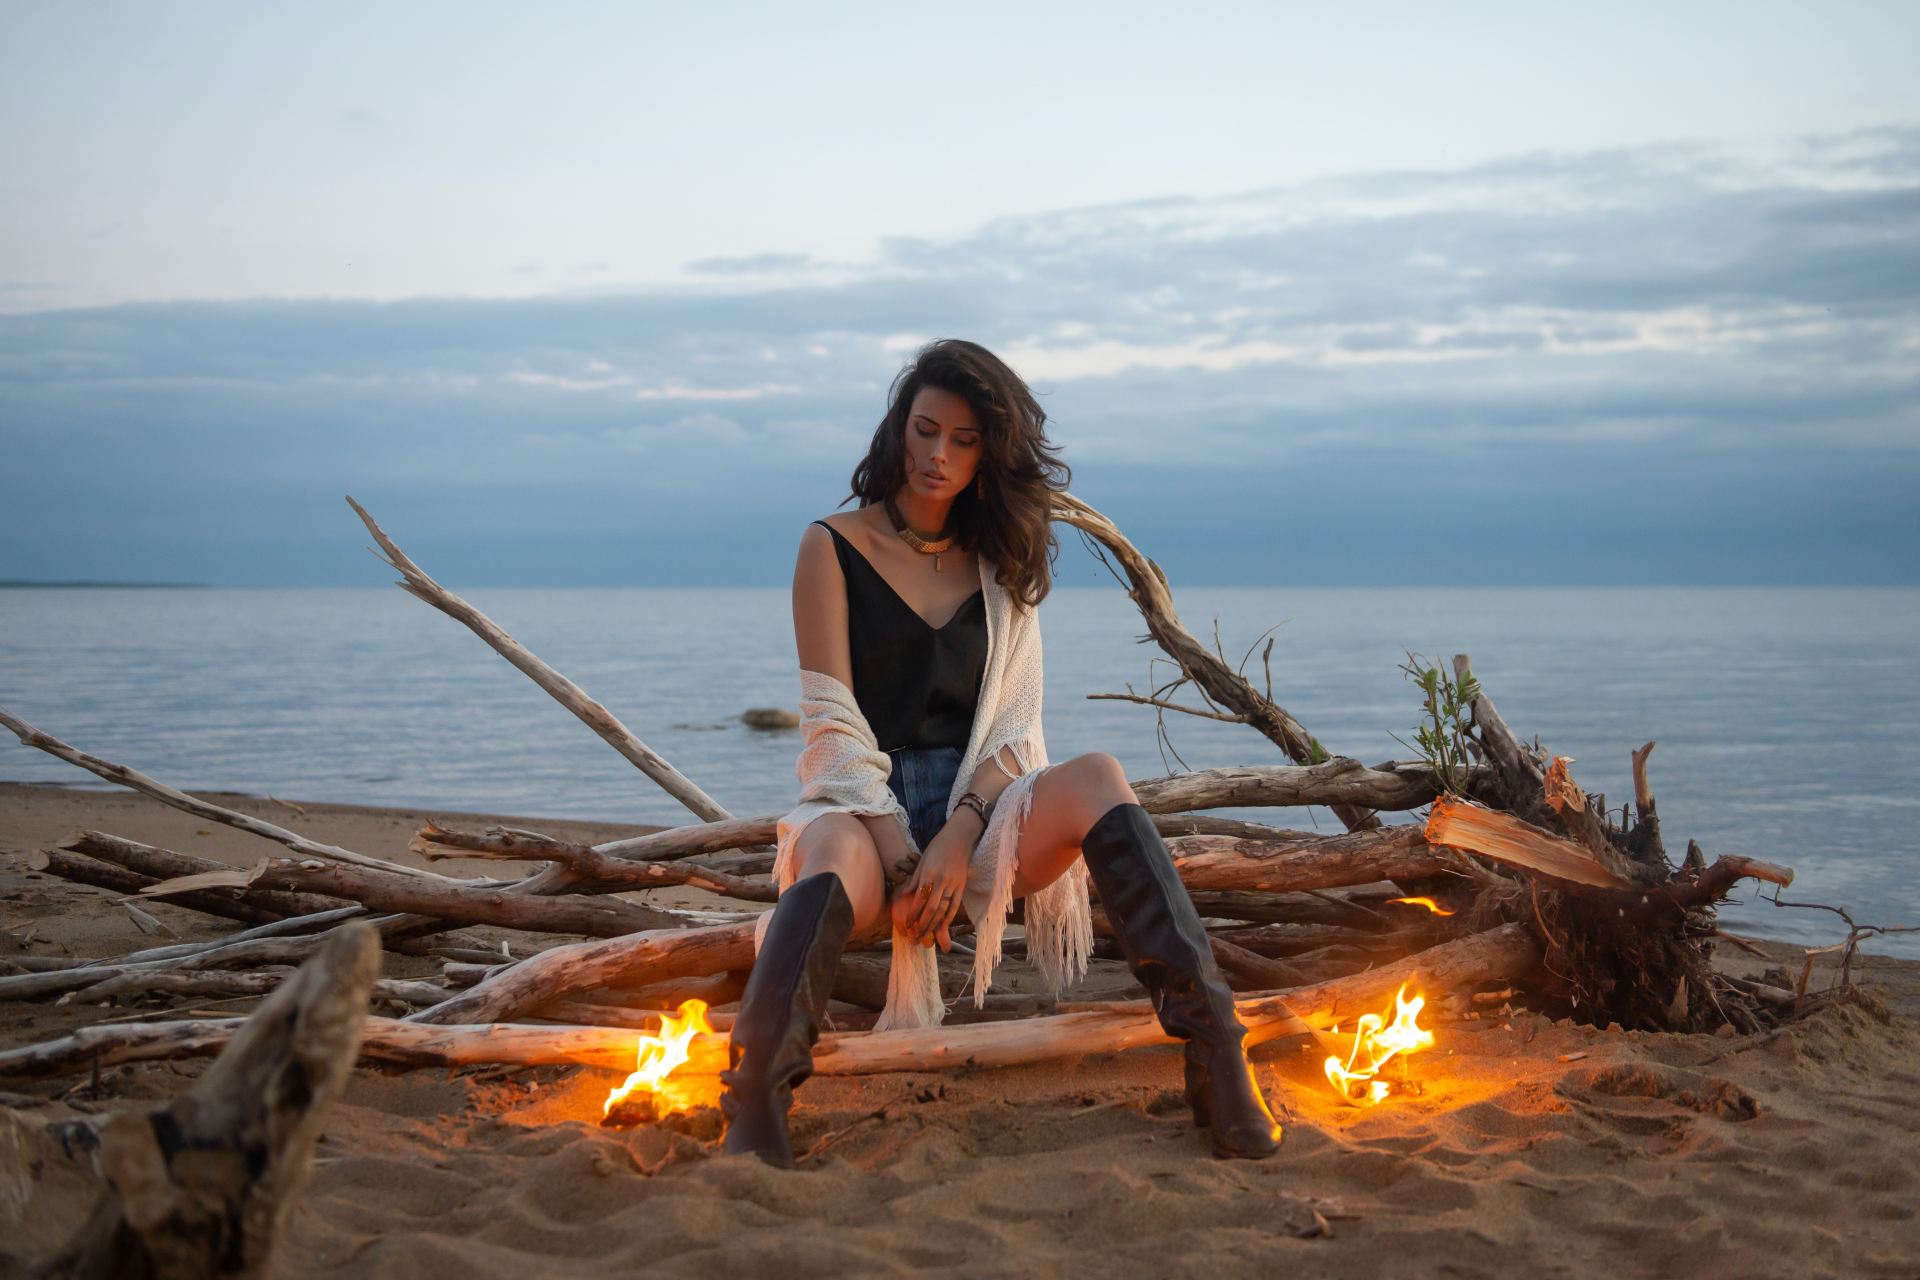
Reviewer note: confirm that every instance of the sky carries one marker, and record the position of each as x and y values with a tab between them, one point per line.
612	294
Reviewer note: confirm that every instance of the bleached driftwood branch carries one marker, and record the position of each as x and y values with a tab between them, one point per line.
1153	596
140	782
415	582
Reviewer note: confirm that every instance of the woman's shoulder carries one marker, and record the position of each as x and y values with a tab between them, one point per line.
851	526
848	524
836	539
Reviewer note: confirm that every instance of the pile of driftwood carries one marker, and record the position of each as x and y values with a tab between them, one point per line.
1514	879
1541	891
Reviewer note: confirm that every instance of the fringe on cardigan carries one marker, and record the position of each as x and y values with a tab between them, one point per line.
842	770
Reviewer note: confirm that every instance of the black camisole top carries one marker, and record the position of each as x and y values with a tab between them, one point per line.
917	684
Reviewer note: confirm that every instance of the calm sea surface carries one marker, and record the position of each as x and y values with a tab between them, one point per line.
1788	720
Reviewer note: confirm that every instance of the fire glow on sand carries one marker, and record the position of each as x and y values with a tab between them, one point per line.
1375	1043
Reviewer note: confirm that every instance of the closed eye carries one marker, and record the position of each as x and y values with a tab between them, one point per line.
964	444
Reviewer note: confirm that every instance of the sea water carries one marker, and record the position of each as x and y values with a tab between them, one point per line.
1788	720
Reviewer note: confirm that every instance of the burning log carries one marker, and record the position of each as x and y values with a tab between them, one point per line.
202	1187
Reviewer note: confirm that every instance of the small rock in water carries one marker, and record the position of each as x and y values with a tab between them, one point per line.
769	718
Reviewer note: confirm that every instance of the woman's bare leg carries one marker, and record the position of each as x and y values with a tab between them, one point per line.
1067	800
841	843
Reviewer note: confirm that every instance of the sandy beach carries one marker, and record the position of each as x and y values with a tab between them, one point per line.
1528	1147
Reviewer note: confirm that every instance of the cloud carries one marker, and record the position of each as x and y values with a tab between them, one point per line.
1685	312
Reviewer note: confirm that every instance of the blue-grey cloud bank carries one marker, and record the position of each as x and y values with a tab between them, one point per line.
1676	364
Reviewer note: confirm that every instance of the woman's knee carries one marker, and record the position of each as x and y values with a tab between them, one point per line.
844	849
1103	780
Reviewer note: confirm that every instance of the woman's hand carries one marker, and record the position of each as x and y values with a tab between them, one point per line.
924	908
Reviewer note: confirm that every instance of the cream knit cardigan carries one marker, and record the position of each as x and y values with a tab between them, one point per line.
842	770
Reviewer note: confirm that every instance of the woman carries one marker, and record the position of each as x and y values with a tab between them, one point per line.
925	785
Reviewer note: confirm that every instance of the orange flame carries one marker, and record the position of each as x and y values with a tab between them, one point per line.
1428	903
1375	1043
658	1055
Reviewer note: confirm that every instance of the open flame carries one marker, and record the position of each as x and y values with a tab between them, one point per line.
1428	903
660	1054
1375	1043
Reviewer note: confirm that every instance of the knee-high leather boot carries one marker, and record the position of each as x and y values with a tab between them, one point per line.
771	1047
1166	948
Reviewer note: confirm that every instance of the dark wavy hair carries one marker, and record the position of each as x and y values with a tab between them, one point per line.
1010	522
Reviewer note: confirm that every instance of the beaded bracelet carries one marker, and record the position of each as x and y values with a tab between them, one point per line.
974	802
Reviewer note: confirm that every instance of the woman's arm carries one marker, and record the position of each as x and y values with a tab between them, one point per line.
820	608
943	872
820	635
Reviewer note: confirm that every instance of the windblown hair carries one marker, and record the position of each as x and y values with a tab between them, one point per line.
1009	523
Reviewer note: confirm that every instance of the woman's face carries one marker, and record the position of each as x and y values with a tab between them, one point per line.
943	444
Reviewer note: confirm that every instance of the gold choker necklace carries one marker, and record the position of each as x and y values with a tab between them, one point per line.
925	546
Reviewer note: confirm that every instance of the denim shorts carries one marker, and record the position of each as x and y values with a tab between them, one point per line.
922	781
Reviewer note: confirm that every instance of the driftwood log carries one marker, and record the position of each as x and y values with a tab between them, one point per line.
201	1186
105	875
587	868
1503	954
155	864
599	917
